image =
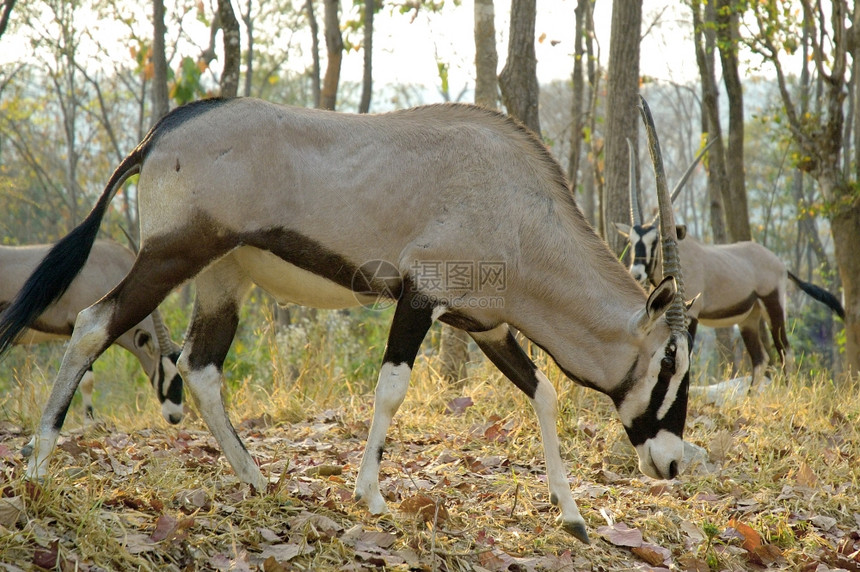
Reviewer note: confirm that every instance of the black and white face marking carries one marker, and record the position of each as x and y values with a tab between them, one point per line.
654	409
643	246
168	387
165	379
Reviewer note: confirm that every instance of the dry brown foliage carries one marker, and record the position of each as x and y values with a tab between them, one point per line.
464	476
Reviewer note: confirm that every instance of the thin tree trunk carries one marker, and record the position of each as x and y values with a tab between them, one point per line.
735	201
7	13
160	98
367	79
249	55
518	80
578	94
315	52
622	119
334	49
486	57
717	176
232	49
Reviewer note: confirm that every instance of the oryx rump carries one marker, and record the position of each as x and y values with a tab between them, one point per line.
331	210
106	266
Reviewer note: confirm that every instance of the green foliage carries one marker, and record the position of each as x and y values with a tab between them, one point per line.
185	86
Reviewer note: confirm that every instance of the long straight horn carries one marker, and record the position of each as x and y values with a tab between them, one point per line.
676	314
677	190
635	207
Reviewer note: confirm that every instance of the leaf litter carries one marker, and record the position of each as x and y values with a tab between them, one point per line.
465	480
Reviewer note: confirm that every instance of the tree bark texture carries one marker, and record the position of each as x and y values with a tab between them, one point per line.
160	97
622	117
316	92
367	78
334	49
717	176
486	57
578	93
735	201
518	80
232	49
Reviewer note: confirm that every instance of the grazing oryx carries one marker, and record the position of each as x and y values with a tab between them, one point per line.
332	210
108	263
738	283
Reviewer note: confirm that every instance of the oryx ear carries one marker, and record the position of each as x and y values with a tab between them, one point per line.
681	229
658	302
623	229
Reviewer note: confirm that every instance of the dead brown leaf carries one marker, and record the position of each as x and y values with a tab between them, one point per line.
620	534
425	507
11	511
805	476
652	554
751	538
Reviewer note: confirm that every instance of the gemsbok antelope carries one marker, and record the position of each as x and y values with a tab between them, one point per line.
740	283
107	265
332	210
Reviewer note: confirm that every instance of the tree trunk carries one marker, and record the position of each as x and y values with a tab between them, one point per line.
845	228
7	13
232	54
735	201
315	53
518	80
334	49
486	58
367	78
249	55
578	88
622	119
717	176
160	98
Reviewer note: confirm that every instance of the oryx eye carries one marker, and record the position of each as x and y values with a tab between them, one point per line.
668	363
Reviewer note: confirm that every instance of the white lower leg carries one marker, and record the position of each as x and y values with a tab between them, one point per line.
390	392
545	403
205	386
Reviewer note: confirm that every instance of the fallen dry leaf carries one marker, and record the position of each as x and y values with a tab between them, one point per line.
652	554
425	507
751	538
805	477
620	534
11	511
458	405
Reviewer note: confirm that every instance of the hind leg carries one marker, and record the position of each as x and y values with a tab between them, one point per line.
220	290
774	309
155	273
751	335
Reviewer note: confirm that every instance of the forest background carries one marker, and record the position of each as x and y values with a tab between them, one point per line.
92	76
80	84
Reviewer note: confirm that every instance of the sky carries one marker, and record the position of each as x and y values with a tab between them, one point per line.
406	53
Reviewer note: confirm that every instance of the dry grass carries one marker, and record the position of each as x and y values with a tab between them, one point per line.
468	489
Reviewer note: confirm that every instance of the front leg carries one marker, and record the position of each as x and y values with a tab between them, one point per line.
503	350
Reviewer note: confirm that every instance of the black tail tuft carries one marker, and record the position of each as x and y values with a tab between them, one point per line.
821	295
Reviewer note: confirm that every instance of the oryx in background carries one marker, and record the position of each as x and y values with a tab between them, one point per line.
107	265
333	209
738	284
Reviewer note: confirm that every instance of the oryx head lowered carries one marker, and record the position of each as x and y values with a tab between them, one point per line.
653	414
643	236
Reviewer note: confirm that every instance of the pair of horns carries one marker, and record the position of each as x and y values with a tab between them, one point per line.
676	314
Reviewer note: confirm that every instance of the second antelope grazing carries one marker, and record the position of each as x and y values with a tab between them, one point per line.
740	283
333	210
108	263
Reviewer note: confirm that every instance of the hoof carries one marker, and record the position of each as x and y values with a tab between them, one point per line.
577	530
27	449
